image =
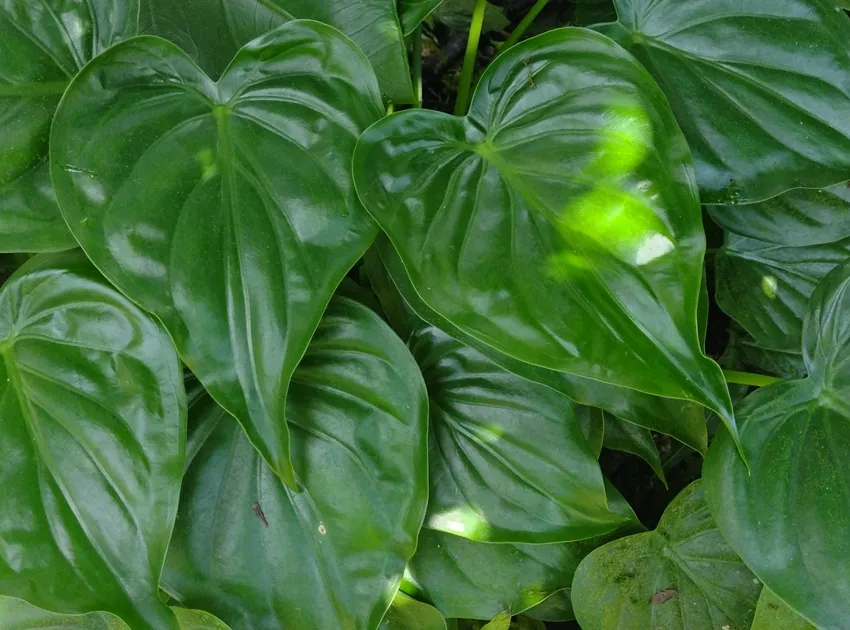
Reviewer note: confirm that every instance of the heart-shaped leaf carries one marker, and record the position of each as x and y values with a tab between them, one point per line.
408	614
259	555
558	222
43	46
18	615
508	460
173	186
682	419
790	518
464	578
211	31
682	576
773	614
765	287
92	431
759	116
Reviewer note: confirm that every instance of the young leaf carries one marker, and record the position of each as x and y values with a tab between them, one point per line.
773	614
172	185
408	614
508	460
682	576
765	287
92	431
41	53
759	116
212	31
790	518
502	621
558	222
259	555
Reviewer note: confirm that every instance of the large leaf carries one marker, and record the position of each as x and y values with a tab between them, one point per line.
211	31
682	419
92	431
508	460
760	116
558	222
682	576
260	556
790	519
172	184
18	615
765	287
798	218
773	614
43	45
408	614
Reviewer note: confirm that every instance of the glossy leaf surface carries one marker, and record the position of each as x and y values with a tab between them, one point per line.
42	47
18	615
412	12
790	519
212	31
558	222
508	461
260	556
408	614
682	419
765	287
92	431
630	438
761	116
773	614
172	185
682	576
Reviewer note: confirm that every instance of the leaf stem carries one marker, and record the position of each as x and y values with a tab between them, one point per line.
465	86
748	378
417	66
524	24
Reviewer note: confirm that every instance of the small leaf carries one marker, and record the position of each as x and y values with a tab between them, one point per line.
648	580
457	14
413	12
773	614
502	621
630	438
508	460
789	519
408	614
332	555
172	185
760	117
92	431
558	222
41	54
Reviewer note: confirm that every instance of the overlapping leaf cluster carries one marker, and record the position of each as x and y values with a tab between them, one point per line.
281	360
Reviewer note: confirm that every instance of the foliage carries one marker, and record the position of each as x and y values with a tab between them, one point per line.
276	357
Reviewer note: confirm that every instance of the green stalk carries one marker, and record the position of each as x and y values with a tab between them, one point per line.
417	66
526	22
747	378
465	86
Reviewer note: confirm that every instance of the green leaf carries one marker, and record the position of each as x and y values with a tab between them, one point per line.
172	185
92	431
682	576
592	423
413	12
682	419
630	438
212	31
261	556
798	218
773	614
468	579
528	224
18	615
508	460
41	54
556	607
408	614
457	14
765	287
759	116
502	621
587	12
790	519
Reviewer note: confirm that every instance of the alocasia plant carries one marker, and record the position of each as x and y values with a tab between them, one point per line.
422	353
